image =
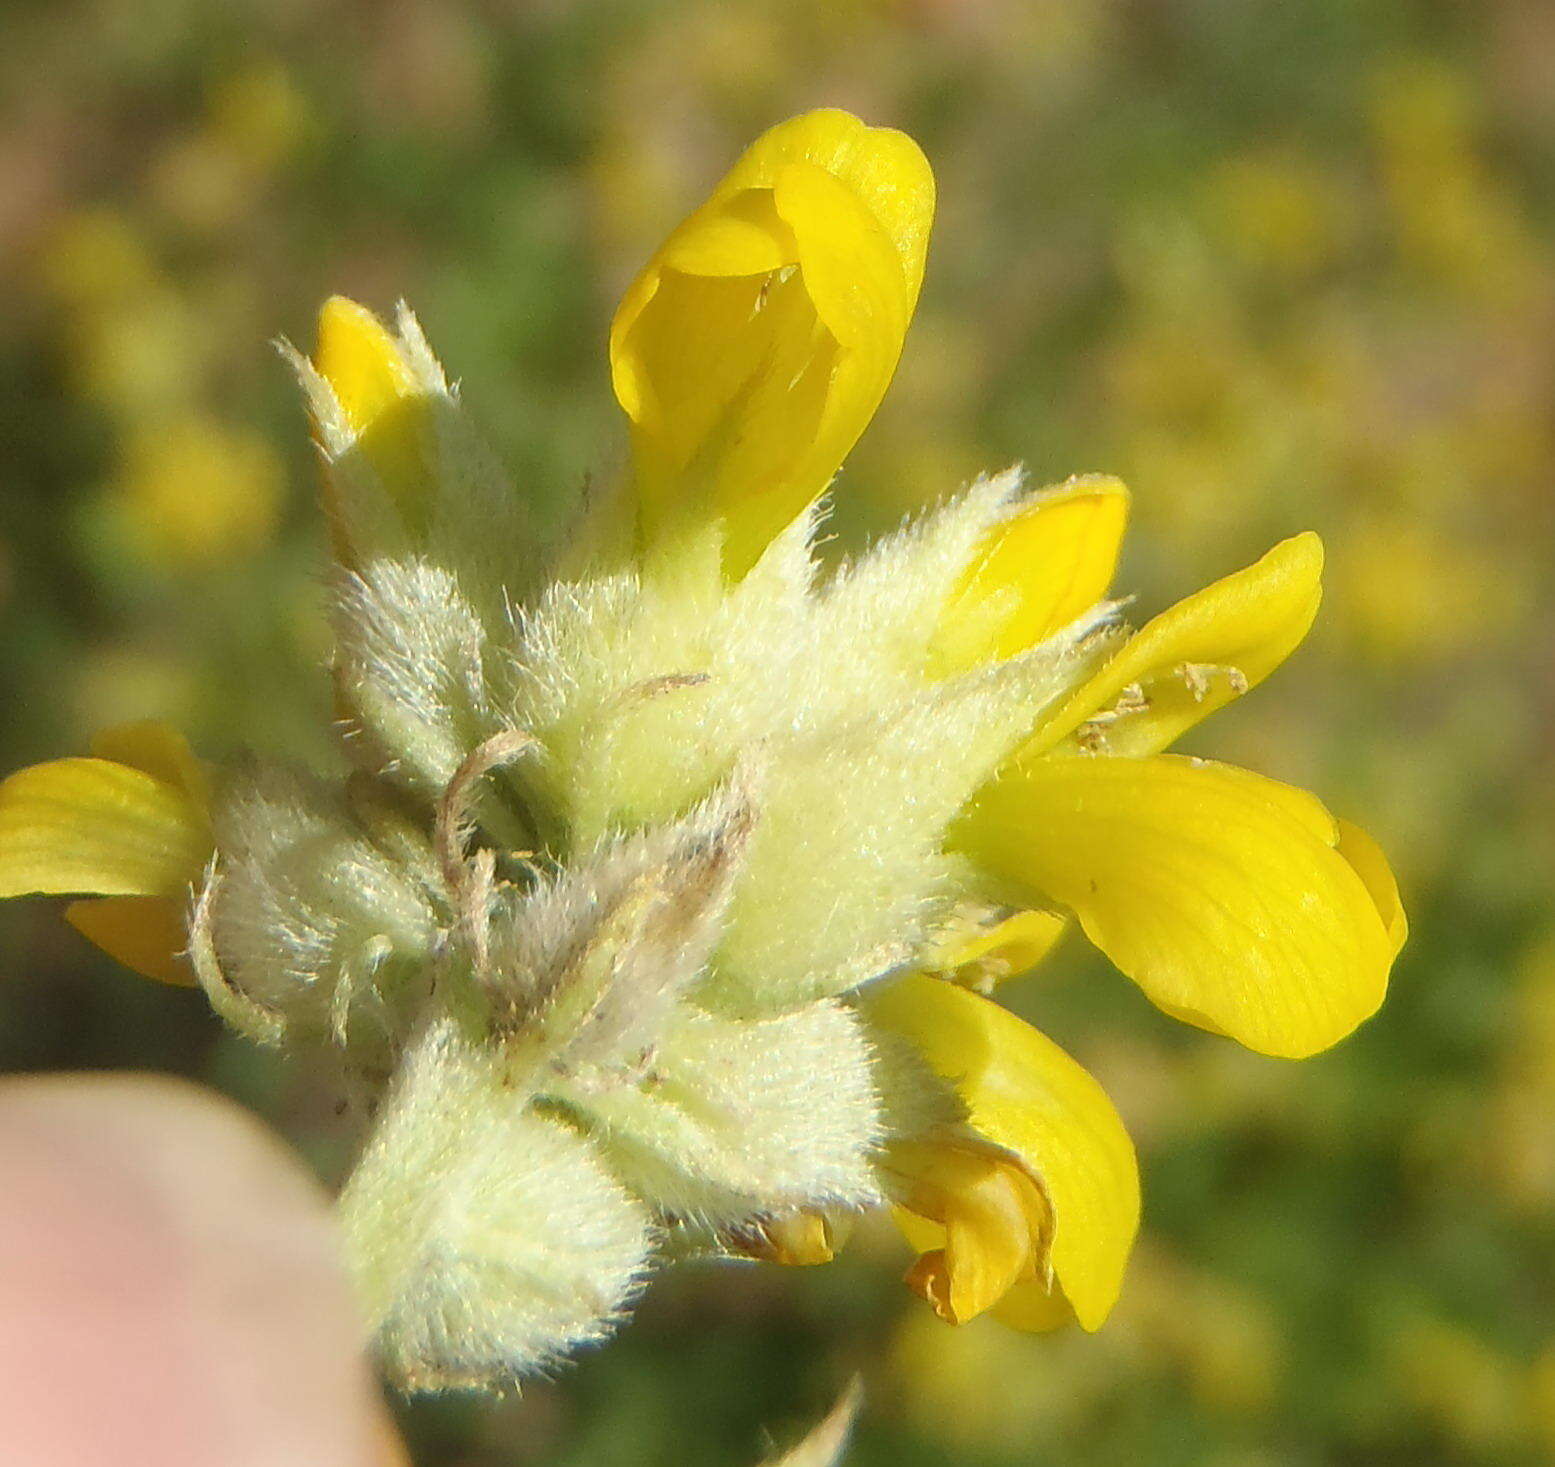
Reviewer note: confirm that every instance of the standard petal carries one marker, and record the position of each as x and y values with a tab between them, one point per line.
1218	891
885	168
145	933
754	348
1195	658
1026	1096
1051	560
93	826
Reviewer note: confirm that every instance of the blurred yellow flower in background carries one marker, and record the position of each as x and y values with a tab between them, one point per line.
192	493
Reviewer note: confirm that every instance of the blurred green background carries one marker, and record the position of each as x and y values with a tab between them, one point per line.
1278	265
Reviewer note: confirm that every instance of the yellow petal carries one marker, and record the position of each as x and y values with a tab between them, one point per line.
1050	561
384	405
147	934
981	1271
95	826
1196	657
159	751
885	168
1218	891
1371	865
1033	1305
978	1219
1026	1096
796	1239
753	349
985	957
362	362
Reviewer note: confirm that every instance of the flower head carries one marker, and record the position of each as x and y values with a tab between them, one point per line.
662	904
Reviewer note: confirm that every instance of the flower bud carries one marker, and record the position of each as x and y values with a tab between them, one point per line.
755	346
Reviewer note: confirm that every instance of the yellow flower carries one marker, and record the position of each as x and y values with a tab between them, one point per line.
753	349
127	827
1036	1194
192	493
